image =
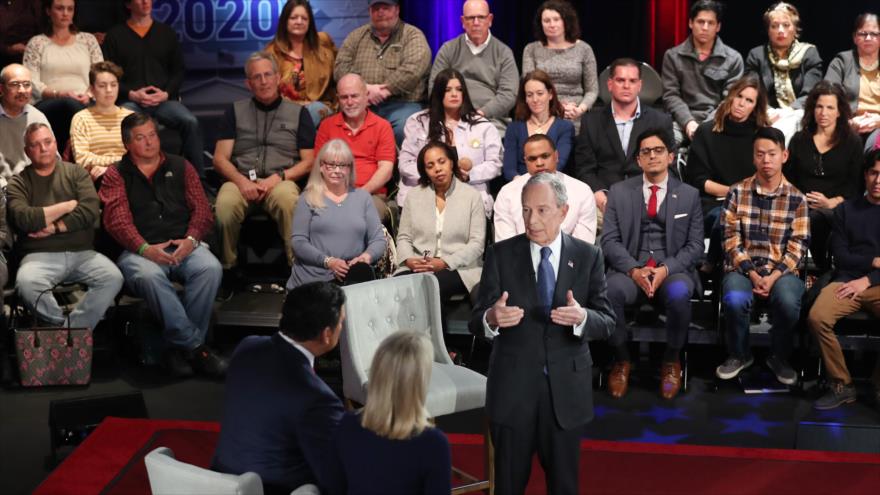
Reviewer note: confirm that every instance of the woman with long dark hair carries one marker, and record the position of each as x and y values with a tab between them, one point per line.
451	118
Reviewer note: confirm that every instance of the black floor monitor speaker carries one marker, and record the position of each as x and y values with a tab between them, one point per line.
838	437
71	420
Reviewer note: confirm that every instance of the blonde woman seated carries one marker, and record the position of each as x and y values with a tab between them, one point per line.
390	446
336	229
443	224
96	132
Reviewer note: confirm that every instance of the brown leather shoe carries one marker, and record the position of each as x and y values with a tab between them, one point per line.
670	379
618	380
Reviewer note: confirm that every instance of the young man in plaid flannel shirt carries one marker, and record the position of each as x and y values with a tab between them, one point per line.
766	234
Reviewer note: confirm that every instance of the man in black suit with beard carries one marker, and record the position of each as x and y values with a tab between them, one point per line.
542	295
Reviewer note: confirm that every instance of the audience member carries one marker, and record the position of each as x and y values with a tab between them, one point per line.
788	68
334	243
721	152
538	111
856	284
452	119
652	238
394	60
53	209
305	59
766	233
148	52
824	162
278	415
155	208
698	73
6	374
858	71
16	113
59	61
407	454
19	22
605	151
541	155
487	64
369	137
265	144
443	224
96	132
568	61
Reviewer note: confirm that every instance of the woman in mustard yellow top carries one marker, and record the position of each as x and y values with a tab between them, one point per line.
305	60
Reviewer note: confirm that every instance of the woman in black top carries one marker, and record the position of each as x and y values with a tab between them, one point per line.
824	160
721	152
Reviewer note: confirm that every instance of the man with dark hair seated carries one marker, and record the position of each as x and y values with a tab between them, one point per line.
855	242
278	415
155	208
766	234
652	239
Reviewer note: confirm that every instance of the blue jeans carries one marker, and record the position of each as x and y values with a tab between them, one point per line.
40	272
396	112
173	114
784	309
318	110
186	322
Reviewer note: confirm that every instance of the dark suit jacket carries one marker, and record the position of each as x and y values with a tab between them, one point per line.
621	230
599	159
278	416
520	353
802	79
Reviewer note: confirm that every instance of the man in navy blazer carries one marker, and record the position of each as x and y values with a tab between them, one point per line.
278	415
542	295
605	149
652	239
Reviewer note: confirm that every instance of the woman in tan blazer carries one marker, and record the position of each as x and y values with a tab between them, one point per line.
305	59
443	224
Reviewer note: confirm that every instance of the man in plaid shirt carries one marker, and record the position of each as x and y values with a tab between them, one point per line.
766	234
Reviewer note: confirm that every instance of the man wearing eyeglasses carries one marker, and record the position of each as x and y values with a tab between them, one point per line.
486	63
265	144
16	113
652	239
541	156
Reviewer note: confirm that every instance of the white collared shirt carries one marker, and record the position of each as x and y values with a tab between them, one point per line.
661	193
306	353
477	49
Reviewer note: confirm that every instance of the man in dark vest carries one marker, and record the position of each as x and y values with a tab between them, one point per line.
652	240
155	208
265	144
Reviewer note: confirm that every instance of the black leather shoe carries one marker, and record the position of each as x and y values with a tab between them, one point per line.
176	364
208	362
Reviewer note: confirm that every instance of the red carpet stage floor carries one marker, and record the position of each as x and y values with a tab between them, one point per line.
109	461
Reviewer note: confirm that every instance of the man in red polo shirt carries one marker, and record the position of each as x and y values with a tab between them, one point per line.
369	136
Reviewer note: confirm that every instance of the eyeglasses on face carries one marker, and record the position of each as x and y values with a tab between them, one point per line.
868	34
656	150
474	18
19	84
331	166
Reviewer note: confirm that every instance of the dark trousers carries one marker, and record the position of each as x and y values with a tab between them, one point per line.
558	450
712	225
674	297
59	112
820	234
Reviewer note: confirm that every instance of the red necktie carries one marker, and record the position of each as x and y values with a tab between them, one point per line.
652	212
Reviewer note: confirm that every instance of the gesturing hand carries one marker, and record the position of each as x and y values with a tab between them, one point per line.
569	315
503	316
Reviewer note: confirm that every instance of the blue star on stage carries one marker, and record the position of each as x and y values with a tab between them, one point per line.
756	400
664	414
649	436
751	423
836	414
600	411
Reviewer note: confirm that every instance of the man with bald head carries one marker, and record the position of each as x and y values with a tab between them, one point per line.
369	136
16	113
486	63
542	296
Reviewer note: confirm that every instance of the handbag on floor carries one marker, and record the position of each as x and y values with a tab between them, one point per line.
54	356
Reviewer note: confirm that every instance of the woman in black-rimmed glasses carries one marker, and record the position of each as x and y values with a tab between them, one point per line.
824	160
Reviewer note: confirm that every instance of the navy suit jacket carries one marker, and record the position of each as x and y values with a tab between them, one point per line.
278	416
621	230
520	353
599	159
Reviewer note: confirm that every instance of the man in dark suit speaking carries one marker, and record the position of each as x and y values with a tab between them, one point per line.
542	295
278	415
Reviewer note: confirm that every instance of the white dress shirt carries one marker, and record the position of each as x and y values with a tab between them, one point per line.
477	49
661	192
306	352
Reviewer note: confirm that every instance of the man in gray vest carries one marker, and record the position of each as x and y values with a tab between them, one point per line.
265	144
486	63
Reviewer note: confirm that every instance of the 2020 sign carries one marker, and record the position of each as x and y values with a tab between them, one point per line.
220	20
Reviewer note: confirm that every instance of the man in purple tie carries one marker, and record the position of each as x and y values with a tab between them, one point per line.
542	296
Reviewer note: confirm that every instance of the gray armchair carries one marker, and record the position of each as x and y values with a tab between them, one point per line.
168	476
